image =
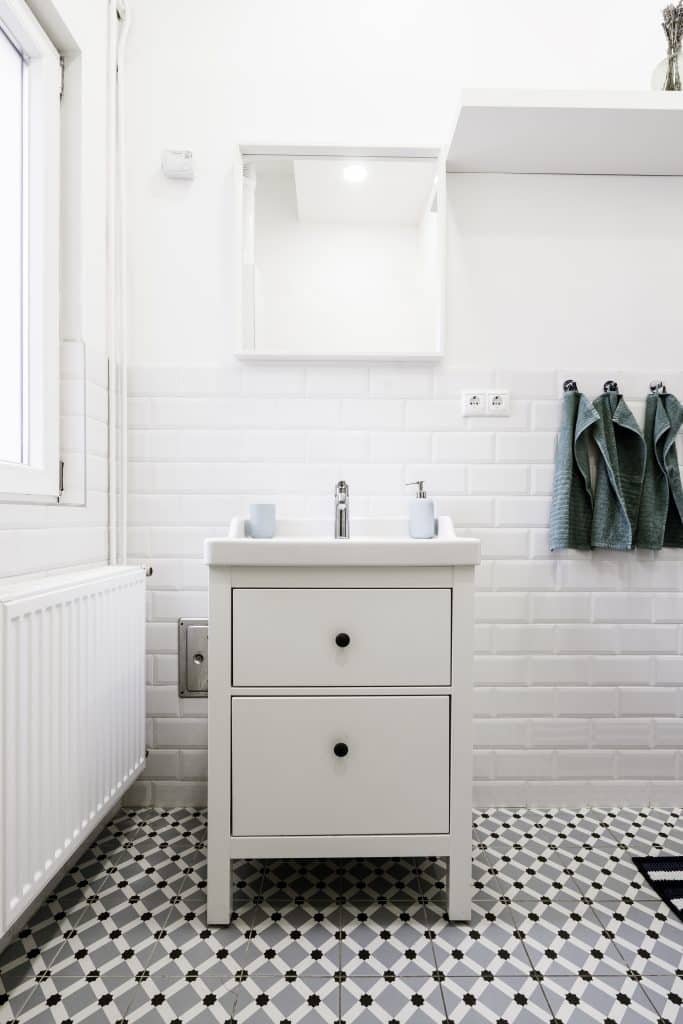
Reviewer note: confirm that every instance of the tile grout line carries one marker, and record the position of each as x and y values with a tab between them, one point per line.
431	942
515	922
79	916
575	884
162	922
99	887
150	955
618	840
251	904
510	906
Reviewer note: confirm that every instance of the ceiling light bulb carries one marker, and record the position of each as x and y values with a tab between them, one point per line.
355	173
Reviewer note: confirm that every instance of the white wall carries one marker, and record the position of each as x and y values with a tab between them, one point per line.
208	75
36	538
579	657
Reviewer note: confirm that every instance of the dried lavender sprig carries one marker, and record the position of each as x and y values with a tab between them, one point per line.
673	28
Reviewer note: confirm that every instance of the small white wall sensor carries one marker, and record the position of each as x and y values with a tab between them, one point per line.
178	163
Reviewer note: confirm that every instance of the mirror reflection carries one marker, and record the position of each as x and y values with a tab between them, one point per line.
342	256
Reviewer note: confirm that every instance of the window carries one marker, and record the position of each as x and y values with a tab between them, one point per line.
29	255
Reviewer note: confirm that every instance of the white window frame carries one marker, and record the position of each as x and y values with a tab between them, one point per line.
38	475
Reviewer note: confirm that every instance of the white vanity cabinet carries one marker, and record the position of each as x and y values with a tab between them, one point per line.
340	704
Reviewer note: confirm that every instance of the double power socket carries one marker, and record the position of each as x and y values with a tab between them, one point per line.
486	403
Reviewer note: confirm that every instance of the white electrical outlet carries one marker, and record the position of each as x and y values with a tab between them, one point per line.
486	403
474	403
497	403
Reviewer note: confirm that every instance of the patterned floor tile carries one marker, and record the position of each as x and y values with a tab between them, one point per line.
90	874
284	881
148	867
532	871
487	943
674	840
247	881
648	936
493	1001
31	954
296	938
369	879
288	998
194	870
512	825
381	937
564	938
201	999
650	831
558	858
398	999
665	992
590	999
619	879
78	1000
13	998
167	822
603	869
76	886
350	881
646	825
111	938
561	919
186	943
433	877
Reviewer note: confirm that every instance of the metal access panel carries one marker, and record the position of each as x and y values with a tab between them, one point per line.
193	657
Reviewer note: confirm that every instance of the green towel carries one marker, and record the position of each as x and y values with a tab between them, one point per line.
619	474
661	516
571	510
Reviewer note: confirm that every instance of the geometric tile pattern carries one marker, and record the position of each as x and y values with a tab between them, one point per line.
564	928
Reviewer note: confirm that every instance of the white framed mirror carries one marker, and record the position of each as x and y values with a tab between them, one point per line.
342	253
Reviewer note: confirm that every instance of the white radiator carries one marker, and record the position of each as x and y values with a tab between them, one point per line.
72	717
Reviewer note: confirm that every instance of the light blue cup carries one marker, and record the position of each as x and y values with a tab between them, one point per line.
261	522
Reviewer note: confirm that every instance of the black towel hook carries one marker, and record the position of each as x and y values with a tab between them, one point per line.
610	385
569	385
657	387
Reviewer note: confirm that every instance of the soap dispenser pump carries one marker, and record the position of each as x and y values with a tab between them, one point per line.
421	520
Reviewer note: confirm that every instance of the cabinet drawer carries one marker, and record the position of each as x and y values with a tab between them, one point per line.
288	780
343	637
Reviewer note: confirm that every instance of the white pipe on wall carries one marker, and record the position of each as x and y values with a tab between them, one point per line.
112	485
122	279
119	23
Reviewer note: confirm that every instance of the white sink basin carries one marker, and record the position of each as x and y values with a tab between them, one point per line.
312	542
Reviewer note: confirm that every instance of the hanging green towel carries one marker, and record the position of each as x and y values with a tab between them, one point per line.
661	511
571	510
619	474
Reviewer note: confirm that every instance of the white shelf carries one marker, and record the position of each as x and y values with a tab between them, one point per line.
555	132
338	357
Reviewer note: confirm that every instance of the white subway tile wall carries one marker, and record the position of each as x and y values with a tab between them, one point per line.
579	663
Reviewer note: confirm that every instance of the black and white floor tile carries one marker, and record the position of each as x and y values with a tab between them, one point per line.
564	930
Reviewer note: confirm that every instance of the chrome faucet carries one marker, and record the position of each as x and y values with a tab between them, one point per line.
341	511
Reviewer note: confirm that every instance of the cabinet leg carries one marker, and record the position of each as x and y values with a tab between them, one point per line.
459	889
219	891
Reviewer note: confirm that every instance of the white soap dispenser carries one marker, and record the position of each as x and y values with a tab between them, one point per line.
421	520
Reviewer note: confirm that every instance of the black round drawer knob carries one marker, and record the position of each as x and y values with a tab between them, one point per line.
342	639
340	749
